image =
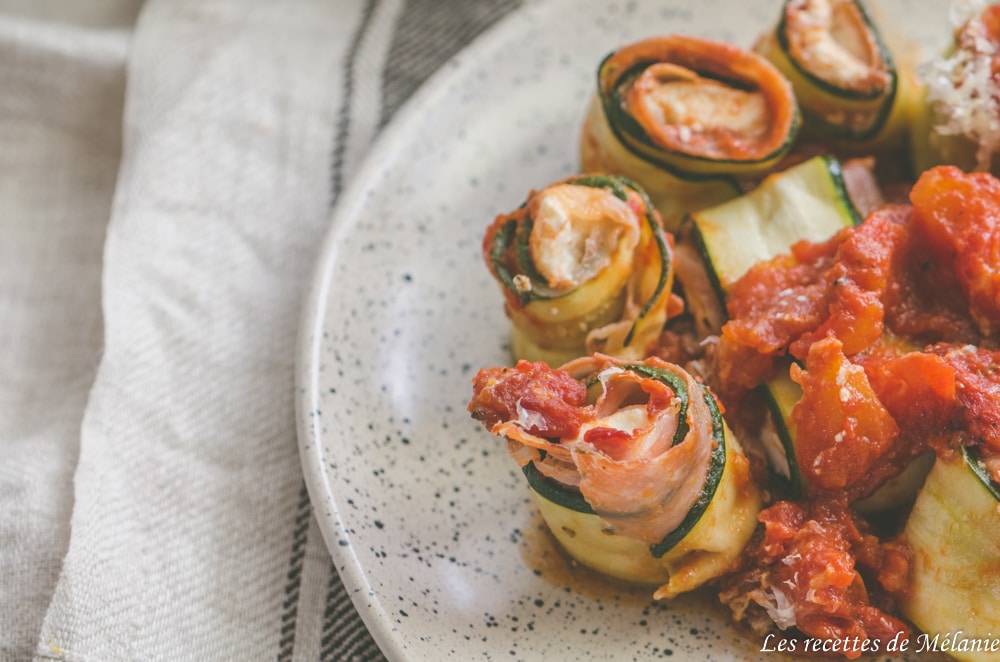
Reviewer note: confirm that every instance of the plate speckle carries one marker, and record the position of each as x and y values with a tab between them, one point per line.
424	513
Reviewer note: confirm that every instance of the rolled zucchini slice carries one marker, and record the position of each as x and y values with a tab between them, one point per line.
685	117
584	265
954	532
650	487
808	201
851	94
957	121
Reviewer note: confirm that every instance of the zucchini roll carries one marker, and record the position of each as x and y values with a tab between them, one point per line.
958	122
684	117
585	266
851	94
954	532
631	464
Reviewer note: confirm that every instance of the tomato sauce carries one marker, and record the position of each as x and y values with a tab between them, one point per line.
904	295
843	428
556	400
815	557
894	327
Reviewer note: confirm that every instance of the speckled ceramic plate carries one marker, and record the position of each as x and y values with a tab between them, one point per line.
427	518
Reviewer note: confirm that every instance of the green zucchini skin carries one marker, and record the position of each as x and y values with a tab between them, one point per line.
555	326
954	532
807	201
677	176
780	394
820	100
713	479
516	231
619	67
685	167
781	34
972	461
554	491
705	543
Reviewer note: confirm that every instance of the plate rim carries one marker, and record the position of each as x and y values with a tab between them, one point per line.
342	219
314	311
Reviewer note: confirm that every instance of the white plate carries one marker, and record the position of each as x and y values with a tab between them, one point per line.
427	518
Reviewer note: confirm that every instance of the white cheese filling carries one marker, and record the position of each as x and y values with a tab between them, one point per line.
576	231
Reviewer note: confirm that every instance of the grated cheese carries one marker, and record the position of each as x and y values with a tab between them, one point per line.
961	86
780	609
529	419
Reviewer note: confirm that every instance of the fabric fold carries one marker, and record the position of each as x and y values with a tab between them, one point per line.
166	179
60	122
183	530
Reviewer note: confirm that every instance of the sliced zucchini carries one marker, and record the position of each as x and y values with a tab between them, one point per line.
582	261
954	531
656	118
781	394
705	544
845	79
808	201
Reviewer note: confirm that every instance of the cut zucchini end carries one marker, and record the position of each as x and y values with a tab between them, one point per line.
587	539
523	347
899	491
715	543
954	531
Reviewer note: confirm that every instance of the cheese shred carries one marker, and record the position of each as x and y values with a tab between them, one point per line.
963	85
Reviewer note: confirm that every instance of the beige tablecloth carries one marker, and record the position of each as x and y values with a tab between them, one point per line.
167	171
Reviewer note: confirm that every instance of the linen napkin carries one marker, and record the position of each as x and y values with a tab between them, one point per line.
166	175
61	92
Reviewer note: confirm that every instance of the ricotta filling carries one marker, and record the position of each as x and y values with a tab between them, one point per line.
831	40
682	110
577	231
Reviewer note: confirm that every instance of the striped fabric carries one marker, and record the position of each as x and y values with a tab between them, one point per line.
166	179
424	34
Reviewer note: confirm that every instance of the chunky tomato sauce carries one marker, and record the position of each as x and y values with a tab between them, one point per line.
892	331
556	400
843	431
893	326
551	403
814	557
